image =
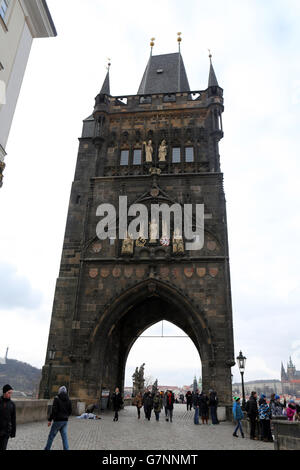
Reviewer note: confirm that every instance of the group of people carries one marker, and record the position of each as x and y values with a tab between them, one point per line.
203	405
156	402
200	402
260	414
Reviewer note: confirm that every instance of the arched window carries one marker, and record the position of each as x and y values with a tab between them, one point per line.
124	161
137	157
189	154
176	155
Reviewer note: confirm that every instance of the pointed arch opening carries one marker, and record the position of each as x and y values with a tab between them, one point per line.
169	354
129	315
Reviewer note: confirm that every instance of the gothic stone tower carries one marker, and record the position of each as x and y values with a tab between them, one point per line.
108	292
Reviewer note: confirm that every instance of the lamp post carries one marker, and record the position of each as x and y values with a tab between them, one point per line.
242	363
51	357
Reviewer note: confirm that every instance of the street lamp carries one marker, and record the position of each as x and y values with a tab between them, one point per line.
51	357
242	364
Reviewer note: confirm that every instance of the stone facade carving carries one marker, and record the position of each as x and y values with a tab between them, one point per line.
127	246
163	151
149	151
138	380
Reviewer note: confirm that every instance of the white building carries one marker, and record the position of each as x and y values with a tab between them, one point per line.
20	22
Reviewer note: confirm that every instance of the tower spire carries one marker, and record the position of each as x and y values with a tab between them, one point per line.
212	80
105	90
179	39
152	44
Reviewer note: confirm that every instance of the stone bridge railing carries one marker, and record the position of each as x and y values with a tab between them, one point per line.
30	411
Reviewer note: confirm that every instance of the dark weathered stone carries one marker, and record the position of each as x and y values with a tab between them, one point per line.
104	298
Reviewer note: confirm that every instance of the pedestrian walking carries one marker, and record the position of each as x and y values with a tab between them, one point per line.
291	410
59	416
170	399
196	405
252	412
148	405
203	407
165	404
117	401
189	400
213	405
157	405
7	417
265	416
138	402
238	416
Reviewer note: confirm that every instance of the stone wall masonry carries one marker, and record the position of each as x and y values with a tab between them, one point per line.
287	435
31	411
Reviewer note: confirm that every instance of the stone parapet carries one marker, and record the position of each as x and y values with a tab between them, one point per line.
30	411
286	434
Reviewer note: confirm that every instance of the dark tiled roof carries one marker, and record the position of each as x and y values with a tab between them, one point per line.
212	81
164	74
105	90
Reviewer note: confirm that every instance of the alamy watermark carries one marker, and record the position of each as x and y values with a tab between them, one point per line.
152	224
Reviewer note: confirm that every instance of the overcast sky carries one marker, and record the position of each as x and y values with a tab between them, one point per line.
255	48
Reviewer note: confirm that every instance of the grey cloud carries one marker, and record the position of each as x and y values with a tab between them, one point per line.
16	291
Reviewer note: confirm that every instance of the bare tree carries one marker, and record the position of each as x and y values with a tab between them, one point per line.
149	380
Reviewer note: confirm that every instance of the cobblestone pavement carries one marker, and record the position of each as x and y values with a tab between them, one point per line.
129	433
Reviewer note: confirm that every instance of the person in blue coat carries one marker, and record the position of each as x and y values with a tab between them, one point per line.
238	416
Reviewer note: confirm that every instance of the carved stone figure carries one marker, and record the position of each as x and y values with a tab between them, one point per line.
149	151
163	151
155	171
138	380
127	246
153	231
135	381
178	243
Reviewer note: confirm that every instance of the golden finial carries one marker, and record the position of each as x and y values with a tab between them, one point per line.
152	43
179	39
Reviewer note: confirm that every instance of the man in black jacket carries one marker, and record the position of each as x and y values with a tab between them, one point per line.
7	417
117	402
61	410
148	404
252	411
213	405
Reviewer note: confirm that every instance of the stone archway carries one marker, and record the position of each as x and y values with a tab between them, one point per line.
128	316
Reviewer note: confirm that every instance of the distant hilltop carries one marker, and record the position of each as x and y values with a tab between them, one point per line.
21	376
